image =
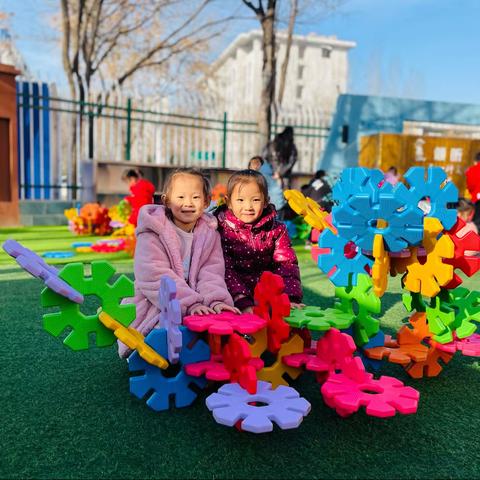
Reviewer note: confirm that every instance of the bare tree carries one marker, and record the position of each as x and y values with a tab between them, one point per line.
283	72
112	41
266	17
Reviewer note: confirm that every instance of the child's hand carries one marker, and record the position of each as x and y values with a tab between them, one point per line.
297	305
223	307
201	310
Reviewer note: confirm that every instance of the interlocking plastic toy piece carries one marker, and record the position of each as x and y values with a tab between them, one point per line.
431	366
215	370
36	266
225	323
377	340
275	373
467	307
469	347
309	210
273	306
341	269
170	316
414	301
332	352
58	254
428	277
364	326
284	406
435	188
381	266
356	180
319	319
134	340
466	256
441	320
70	315
158	386
382	398
404	350
362	217
259	342
237	360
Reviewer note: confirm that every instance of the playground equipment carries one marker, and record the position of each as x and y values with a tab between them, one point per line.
376	232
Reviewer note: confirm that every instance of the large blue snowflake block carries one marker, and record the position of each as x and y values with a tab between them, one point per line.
357	180
358	219
431	187
159	385
284	406
344	267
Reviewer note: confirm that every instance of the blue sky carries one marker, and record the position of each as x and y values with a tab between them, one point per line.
411	48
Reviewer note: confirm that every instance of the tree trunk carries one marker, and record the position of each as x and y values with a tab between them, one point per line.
268	74
283	72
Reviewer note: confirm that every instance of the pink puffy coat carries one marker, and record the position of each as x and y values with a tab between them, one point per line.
158	253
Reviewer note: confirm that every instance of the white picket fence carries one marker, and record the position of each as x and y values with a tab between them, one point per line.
144	131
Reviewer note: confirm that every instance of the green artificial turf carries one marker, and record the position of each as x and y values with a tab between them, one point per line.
68	414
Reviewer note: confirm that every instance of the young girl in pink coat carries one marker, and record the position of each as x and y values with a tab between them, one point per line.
181	241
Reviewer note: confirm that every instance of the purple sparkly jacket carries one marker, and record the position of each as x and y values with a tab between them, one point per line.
251	249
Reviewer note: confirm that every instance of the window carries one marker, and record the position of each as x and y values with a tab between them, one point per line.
301	68
299	92
301	51
326	52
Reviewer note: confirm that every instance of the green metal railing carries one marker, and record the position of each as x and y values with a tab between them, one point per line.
131	116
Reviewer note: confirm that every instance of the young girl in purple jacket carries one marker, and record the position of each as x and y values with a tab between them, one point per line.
253	241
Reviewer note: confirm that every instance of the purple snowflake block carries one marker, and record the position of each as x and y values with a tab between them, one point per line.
170	317
36	266
284	406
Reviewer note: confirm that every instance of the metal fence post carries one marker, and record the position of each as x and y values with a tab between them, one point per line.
128	143
224	151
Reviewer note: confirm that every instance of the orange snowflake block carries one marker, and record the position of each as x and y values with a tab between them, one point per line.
427	278
309	210
381	266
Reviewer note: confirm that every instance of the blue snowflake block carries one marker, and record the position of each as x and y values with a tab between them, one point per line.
155	384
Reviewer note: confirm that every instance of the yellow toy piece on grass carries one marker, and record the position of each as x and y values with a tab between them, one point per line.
433	274
274	373
134	340
381	266
309	210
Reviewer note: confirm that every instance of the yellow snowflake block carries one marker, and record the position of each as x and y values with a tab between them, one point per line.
274	373
260	342
381	266
433	274
134	340
308	209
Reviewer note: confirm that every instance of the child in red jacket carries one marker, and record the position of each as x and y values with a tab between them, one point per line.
254	241
141	193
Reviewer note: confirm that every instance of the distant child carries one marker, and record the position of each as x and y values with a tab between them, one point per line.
391	176
465	211
180	240
255	163
254	241
141	192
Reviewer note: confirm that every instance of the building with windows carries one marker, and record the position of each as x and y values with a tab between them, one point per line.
9	54
317	73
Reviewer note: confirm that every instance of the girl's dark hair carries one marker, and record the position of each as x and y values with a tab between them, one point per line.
243	177
130	173
167	187
256	158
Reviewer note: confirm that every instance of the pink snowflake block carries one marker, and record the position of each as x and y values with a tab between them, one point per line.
215	370
382	398
225	323
469	346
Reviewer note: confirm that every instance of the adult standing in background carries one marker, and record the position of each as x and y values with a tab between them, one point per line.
281	154
473	184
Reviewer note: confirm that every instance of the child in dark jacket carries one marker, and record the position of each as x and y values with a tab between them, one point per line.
254	241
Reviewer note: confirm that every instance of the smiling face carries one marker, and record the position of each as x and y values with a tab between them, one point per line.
247	201
186	200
